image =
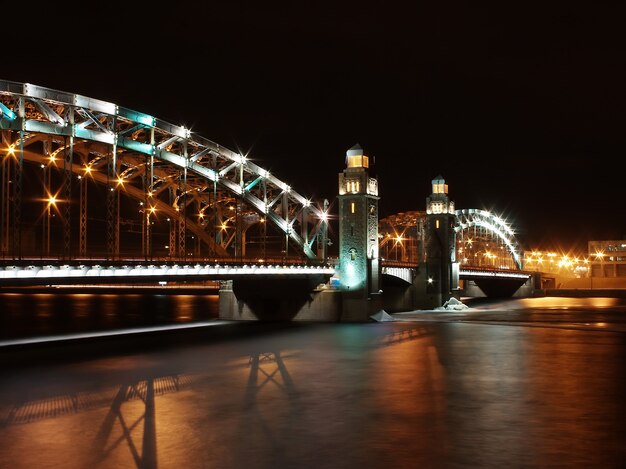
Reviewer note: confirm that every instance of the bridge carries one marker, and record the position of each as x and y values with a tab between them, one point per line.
93	192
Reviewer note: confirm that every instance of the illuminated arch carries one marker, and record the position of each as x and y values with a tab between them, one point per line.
467	218
33	111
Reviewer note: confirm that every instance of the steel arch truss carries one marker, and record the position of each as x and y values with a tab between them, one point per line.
166	166
494	225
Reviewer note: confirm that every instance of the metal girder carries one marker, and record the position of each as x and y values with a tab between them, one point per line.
49	113
468	218
67	182
174	148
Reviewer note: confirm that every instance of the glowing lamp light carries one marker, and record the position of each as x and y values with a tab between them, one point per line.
350	270
52	200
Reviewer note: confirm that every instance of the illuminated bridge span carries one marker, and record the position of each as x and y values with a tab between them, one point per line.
484	255
83	177
483	240
113	195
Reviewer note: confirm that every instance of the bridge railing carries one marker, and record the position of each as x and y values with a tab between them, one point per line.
225	261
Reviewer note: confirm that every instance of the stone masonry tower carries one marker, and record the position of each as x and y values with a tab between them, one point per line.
441	265
359	264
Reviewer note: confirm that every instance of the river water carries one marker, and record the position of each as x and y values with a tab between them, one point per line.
532	383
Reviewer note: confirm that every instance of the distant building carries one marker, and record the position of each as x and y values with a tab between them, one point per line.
607	258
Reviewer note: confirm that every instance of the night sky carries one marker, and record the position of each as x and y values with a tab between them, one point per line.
521	110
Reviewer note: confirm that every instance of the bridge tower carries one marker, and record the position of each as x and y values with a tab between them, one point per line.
359	264
441	267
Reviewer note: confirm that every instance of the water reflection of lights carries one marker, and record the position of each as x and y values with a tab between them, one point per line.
569	302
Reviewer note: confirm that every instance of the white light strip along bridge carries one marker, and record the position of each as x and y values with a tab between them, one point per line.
98	273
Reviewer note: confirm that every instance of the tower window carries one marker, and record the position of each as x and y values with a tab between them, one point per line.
358	161
352	207
352	254
440	188
352	186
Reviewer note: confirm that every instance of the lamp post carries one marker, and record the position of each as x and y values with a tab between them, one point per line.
45	209
150	211
169	245
599	255
51	201
143	212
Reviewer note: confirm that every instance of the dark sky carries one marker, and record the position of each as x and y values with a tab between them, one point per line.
520	108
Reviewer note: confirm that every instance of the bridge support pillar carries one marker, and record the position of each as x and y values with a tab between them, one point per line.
359	269
356	308
441	268
282	300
